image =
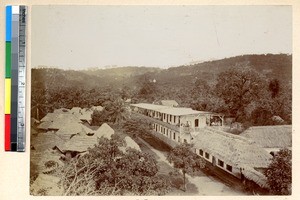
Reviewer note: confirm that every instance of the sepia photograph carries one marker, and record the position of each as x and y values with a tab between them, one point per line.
153	100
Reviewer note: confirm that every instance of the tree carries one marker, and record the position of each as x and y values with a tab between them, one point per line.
106	170
114	111
136	127
238	87
184	159
279	173
148	88
274	87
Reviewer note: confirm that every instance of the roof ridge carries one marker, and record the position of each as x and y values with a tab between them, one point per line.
263	127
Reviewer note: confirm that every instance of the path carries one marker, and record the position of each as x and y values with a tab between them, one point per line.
211	185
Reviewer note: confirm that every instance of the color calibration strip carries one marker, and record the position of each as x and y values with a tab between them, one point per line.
15	78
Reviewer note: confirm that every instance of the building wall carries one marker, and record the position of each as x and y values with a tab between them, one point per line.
234	170
167	133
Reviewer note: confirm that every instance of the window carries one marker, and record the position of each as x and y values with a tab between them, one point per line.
174	117
229	168
196	122
220	163
206	155
201	152
174	135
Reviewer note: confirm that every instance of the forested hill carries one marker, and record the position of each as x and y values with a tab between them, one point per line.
279	66
198	86
274	66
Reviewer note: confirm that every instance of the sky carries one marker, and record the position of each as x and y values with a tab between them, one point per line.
81	37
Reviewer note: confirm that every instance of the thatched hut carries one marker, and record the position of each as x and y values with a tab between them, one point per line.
44	125
80	140
62	119
104	131
78	144
129	143
50	117
70	129
232	153
45	141
85	115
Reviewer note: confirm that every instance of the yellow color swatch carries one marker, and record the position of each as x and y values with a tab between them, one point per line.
7	95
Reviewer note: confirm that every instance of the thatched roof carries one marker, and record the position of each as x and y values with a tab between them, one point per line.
49	117
62	119
130	143
256	176
75	110
49	184
104	131
85	115
80	143
50	155
61	110
45	141
44	125
171	103
270	136
232	149
236	151
73	128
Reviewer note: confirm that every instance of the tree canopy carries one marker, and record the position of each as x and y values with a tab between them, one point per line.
105	170
185	160
238	87
279	173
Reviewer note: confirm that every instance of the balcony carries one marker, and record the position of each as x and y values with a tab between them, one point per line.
157	121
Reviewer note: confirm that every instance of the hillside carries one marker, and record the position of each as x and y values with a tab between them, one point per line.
272	66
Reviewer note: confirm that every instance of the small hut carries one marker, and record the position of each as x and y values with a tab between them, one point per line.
70	129
45	141
104	131
129	143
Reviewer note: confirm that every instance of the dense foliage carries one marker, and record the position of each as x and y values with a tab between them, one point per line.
184	159
114	112
106	170
279	173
